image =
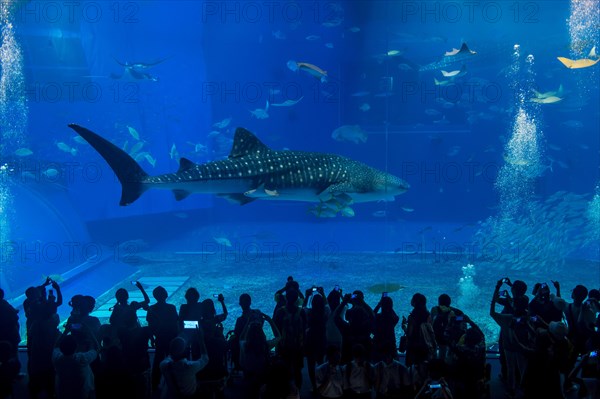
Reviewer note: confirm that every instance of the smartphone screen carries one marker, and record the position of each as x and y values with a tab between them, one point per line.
337	288
75	326
384	294
593	353
215	295
353	296
435	386
190	324
459	318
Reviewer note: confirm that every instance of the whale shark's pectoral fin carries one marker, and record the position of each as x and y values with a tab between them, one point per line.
337	191
181	194
240	199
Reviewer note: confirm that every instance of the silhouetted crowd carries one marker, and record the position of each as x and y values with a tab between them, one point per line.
547	345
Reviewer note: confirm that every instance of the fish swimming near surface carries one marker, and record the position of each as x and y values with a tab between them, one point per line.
454	56
254	171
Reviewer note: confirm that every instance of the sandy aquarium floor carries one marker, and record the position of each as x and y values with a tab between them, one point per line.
233	272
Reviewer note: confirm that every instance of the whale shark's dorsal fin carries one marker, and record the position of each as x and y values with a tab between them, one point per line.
185	164
246	143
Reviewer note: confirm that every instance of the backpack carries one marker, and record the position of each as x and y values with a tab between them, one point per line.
427	338
440	323
292	331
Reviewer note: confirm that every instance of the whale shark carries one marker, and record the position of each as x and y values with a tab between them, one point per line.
464	53
254	171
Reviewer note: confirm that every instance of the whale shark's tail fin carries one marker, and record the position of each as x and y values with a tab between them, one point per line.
129	172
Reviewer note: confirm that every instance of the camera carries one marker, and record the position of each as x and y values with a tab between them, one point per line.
190	324
314	289
505	280
543	285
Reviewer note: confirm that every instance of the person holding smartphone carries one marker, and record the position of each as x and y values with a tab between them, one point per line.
124	314
384	331
178	373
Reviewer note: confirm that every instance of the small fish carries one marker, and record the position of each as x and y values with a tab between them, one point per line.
333	22
50	173
198	147
379	214
79	140
385	287
214	133
288	103
134	133
454	150
279	35
329	45
23	152
308	68
352	133
347	212
364	107
394	53
222	124
66	148
406	209
174	154
222	241
354	29
150	160
138	146
312	37
261	113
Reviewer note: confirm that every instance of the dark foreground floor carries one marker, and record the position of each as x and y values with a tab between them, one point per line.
235	389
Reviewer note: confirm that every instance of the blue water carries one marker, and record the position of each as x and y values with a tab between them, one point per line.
210	61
